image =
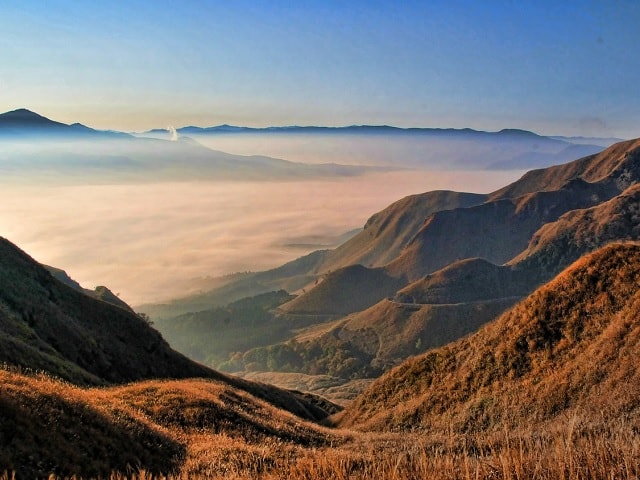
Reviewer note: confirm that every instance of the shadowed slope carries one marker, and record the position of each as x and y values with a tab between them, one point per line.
571	345
469	280
347	290
386	233
47	325
50	326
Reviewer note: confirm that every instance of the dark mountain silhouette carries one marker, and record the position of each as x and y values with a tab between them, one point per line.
101	292
25	124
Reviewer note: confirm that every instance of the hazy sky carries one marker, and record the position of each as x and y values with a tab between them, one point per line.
552	67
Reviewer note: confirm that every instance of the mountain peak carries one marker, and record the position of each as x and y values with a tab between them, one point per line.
517	132
23	114
23	117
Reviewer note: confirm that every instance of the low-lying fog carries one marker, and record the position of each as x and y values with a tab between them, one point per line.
147	241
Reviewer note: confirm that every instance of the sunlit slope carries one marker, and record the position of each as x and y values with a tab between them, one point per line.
572	345
47	426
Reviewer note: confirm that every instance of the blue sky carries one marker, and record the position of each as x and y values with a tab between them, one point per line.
553	67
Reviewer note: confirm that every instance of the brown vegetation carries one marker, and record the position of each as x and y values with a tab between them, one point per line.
569	347
187	429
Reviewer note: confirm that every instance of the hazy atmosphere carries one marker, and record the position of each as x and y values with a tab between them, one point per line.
147	242
136	221
320	239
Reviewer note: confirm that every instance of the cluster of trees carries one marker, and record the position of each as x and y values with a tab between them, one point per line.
210	336
329	356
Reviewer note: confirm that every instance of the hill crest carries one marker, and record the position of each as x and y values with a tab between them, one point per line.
563	346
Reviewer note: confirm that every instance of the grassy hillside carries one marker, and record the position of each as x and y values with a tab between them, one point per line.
548	391
48	326
569	348
47	426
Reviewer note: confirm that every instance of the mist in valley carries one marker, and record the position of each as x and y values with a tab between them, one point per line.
153	240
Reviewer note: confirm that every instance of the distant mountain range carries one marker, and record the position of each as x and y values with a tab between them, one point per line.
35	146
379	129
35	142
23	123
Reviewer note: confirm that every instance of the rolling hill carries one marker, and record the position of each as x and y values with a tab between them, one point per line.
571	346
442	264
548	389
51	327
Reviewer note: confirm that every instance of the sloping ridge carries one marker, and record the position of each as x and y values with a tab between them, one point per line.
346	290
496	230
23	118
48	326
385	233
577	232
499	229
572	345
469	280
592	169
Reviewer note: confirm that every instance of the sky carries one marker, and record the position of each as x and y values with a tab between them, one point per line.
566	68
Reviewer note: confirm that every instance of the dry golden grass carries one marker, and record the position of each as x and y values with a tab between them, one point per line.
549	391
568	449
196	429
572	344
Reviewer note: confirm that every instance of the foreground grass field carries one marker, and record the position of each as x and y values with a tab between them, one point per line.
203	429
